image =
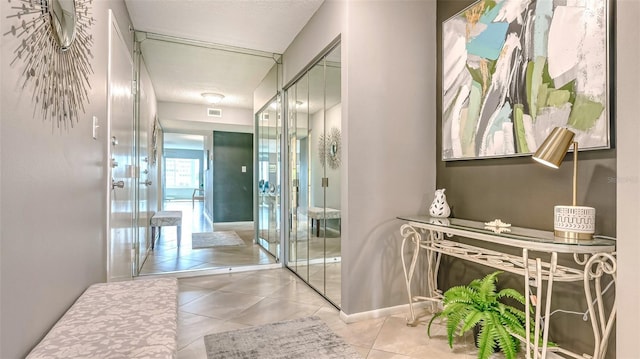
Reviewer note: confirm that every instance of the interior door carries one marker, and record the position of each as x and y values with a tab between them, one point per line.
120	157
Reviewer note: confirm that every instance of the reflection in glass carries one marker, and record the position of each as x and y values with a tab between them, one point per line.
314	240
269	128
63	20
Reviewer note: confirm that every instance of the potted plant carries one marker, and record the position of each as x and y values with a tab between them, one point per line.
477	304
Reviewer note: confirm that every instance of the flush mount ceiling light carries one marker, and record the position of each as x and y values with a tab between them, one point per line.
212	98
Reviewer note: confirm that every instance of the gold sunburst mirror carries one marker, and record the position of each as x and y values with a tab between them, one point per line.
55	49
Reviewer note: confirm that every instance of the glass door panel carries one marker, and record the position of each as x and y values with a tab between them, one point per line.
269	128
301	228
315	211
315	150
333	162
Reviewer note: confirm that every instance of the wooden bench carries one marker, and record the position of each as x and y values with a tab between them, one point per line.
132	319
162	219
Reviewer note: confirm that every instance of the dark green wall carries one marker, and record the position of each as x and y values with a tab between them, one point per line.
232	188
523	193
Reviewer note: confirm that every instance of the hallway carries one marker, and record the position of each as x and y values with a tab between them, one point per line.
167	257
224	302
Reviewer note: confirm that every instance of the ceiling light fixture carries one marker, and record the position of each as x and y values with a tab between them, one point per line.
212	98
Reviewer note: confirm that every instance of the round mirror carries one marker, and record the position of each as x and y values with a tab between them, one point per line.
63	20
333	149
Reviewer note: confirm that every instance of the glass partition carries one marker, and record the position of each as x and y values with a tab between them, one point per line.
269	133
314	130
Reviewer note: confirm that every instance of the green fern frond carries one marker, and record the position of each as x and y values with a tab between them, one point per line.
471	319
488	285
502	337
511	293
435	316
478	304
485	341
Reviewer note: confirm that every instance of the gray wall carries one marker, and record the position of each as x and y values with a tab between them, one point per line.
388	121
523	193
516	189
628	176
53	197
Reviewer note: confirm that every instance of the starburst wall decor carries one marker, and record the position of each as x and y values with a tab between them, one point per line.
330	148
55	50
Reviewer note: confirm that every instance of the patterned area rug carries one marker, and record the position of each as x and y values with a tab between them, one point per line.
305	338
215	239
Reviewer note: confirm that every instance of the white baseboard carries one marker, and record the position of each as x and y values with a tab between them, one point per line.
382	312
212	271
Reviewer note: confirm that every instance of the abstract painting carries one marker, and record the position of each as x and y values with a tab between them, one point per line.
515	69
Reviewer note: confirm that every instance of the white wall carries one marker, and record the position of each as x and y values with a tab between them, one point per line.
333	192
268	88
628	177
323	27
53	207
181	114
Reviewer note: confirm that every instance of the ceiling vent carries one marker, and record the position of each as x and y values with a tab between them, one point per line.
214	112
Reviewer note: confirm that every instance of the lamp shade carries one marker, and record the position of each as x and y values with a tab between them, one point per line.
555	147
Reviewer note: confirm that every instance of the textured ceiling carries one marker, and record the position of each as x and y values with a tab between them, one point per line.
181	73
265	25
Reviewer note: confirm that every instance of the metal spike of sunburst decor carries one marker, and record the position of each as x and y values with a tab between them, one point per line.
330	148
59	76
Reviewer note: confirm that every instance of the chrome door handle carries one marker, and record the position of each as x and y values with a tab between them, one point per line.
114	184
146	183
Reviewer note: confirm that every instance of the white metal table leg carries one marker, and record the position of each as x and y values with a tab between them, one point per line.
527	302
547	303
598	265
409	232
536	332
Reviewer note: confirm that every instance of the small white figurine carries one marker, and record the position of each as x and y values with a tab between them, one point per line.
497	223
439	207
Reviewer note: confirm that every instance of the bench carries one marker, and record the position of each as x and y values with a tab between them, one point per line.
132	319
318	214
165	218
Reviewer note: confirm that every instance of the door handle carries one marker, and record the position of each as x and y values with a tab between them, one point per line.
146	183
114	184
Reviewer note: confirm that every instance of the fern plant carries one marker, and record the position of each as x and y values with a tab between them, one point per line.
478	304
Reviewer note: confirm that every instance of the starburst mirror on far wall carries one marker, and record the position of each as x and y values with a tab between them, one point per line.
55	47
330	148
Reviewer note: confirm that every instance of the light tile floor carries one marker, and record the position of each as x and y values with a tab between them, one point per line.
218	303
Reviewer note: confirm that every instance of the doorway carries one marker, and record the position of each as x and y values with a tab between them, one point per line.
211	182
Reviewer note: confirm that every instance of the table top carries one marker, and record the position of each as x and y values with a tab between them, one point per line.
513	236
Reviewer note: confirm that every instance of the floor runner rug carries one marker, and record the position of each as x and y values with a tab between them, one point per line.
306	338
215	239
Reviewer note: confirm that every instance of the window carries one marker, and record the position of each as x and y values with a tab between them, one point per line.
182	173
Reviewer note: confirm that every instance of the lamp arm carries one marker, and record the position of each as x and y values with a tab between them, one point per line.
575	172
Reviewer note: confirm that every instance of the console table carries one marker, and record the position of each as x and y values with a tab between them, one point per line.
538	262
